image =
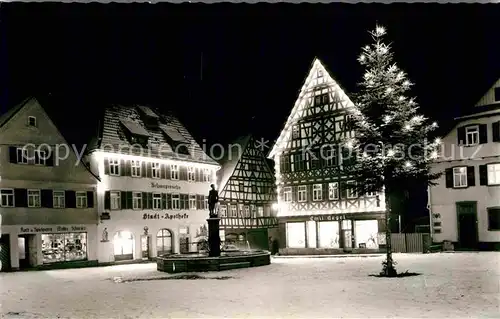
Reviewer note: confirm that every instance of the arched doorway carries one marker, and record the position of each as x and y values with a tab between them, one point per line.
123	243
163	242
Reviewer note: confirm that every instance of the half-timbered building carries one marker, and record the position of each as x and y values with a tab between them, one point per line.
247	195
154	184
318	211
465	204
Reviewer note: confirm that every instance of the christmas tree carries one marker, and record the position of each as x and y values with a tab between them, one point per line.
392	144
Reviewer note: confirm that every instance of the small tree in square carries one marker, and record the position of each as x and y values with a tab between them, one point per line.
391	146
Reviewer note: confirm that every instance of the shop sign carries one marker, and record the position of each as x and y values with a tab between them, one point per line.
43	229
165	186
165	216
323	218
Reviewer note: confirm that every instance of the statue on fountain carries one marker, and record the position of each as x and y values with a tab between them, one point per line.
213	199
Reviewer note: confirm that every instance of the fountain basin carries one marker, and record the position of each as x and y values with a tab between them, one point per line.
200	262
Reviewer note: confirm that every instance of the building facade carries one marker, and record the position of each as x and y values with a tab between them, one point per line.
48	205
247	196
318	213
465	205
155	178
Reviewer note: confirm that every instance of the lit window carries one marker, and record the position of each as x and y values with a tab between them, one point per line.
176	202
260	211
223	210
317	192
33	198
459	176
191	174
81	199
114	167
493	174
115	200
333	190
155	170
234	211
137	200
330	158
302	193
192	201
295	131
287	194
7	198
174	172
136	168
351	190
157	201
22	156
246	211
206	175
471	135
58	199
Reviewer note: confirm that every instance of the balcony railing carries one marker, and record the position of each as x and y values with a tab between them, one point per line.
248	222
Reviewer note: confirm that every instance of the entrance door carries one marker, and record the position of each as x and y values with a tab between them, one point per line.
467	225
24	251
5	253
145	246
123	243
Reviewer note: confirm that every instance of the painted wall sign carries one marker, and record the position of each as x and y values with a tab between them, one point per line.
43	229
322	218
165	186
165	216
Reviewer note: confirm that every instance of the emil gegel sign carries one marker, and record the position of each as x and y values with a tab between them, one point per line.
43	229
165	216
324	218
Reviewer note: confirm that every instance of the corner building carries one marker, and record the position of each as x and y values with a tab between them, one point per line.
154	184
318	213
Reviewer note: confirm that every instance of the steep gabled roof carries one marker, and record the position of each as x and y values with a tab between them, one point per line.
489	97
311	80
231	159
112	134
13	111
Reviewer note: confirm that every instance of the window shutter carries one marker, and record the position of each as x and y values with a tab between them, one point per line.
449	177
495	130
182	173
483	175
186	201
199	201
49	161
197	174
13	154
127	169
150	200
325	191
181	199
122	168
123	200
343	190
461	135
162	170
295	191
46	198
70	198
483	133
106	166
167	171
144	169
90	199
471	177
144	200
21	197
163	201
169	201
107	200
129	200
149	170
36	156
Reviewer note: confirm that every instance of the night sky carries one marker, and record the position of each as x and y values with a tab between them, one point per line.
255	58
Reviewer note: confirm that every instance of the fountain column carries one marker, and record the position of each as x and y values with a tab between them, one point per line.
213	236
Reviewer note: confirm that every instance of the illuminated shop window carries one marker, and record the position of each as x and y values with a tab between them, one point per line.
64	247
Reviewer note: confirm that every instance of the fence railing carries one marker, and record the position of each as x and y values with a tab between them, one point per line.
410	242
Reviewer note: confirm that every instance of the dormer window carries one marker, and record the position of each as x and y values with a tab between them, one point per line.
32	121
175	139
149	117
136	134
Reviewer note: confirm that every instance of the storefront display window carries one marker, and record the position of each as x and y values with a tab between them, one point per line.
64	247
163	242
365	233
328	233
296	235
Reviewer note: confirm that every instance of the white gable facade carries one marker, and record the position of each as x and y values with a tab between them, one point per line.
465	205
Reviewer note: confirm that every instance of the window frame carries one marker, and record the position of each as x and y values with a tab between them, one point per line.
287	194
174	172
137	200
351	193
114	165
79	195
61	197
206	175
157	200
474	134
455	174
495	173
176	201
31	117
35	196
155	170
22	155
135	168
192	201
333	189
191	174
301	189
317	192
7	195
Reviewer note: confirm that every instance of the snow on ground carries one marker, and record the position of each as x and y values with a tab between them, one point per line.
457	285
